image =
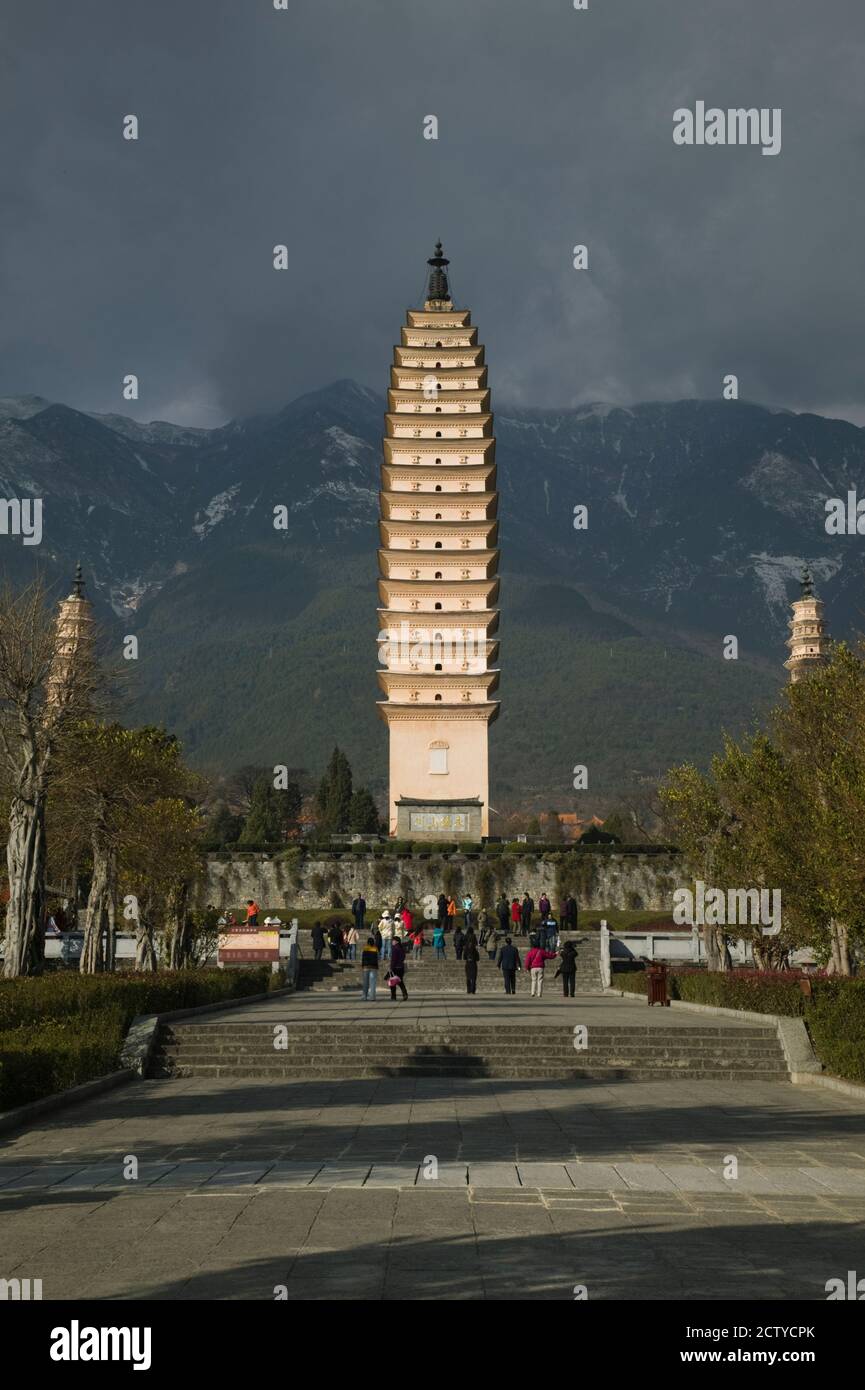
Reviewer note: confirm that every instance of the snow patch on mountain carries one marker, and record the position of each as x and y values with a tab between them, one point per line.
217	509
776	572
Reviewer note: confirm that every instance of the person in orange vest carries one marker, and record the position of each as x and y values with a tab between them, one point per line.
251	913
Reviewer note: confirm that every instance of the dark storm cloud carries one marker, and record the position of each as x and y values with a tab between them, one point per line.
305	127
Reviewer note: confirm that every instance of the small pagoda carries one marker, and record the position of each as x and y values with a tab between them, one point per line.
809	641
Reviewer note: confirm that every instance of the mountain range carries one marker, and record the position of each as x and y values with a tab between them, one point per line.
257	644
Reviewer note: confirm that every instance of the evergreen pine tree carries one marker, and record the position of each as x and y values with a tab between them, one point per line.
363	816
334	795
264	824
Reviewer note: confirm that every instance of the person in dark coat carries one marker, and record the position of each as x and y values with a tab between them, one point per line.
509	963
568	969
377	934
334	936
571	913
526	910
442	910
471	956
503	912
317	940
358	908
397	968
459	942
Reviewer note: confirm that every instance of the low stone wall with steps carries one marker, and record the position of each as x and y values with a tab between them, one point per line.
507	1050
626	879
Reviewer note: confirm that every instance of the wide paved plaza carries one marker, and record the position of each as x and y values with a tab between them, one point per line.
448	1188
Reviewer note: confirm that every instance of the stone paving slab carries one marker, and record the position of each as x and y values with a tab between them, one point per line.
493	1175
595	1177
342	1175
839	1180
645	1177
546	1175
187	1174
393	1175
238	1175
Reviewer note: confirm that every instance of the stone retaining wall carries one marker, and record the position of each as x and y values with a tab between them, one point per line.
598	880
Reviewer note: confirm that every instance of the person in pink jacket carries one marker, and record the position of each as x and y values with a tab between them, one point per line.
534	962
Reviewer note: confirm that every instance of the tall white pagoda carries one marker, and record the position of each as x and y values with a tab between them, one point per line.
438	567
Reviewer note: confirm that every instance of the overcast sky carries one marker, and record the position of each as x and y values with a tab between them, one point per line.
305	126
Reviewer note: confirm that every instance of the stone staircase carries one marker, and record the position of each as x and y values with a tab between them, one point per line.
341	1051
449	977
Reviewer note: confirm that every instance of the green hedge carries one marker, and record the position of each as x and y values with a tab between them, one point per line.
834	1014
61	1029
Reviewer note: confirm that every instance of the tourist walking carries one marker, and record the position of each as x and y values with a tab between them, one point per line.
252	911
571	913
544	906
407	923
352	937
467	911
385	926
369	968
334	936
459	941
397	969
317	941
516	917
439	941
471	956
536	958
418	944
442	909
509	963
452	912
358	909
503	912
526	910
568	969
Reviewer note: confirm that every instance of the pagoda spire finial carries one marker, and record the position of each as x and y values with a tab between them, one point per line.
78	587
438	288
807	583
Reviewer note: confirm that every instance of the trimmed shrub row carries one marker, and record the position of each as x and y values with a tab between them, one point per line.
834	1013
62	1029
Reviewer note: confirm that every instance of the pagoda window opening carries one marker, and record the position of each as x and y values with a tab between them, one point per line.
438	487
438	697
438	574
438	605
438	434
438	666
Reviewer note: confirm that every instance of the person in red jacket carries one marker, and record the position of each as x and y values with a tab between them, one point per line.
535	959
516	915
